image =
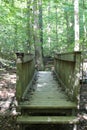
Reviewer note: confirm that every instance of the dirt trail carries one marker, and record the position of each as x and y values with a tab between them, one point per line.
7	90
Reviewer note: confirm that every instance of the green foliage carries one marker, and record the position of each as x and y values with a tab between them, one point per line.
58	29
13	26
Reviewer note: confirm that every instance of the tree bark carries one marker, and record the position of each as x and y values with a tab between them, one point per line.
56	25
48	27
67	24
37	40
84	22
76	19
41	25
29	29
15	38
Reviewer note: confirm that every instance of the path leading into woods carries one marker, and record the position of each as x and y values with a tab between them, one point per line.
43	100
47	93
46	103
41	90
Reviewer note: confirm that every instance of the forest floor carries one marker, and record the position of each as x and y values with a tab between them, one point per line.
8	101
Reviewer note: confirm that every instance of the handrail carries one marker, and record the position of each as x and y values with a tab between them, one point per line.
67	67
25	72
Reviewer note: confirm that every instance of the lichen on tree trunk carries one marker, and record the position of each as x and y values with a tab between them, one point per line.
37	38
76	20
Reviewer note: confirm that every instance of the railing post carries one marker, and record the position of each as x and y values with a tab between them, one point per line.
67	66
76	85
19	83
25	72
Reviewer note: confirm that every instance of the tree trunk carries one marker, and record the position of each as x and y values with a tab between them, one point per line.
67	24
15	38
29	31
84	22
56	25
37	40
41	25
76	18
48	27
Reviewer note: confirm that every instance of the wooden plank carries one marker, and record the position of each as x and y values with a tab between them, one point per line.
49	105
27	58
47	120
67	67
23	58
47	94
66	57
25	71
28	87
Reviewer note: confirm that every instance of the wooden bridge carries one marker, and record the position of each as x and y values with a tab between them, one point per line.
48	99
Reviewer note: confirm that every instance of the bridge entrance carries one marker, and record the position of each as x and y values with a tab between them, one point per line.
48	99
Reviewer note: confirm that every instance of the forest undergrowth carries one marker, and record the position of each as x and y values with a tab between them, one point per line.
8	101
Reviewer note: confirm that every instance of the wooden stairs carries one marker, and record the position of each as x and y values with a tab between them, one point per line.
47	107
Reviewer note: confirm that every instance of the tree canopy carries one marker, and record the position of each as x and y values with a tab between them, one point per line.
46	25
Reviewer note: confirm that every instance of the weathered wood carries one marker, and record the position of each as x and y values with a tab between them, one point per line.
21	57
47	120
27	58
25	71
67	67
71	56
66	57
60	106
46	96
19	82
28	87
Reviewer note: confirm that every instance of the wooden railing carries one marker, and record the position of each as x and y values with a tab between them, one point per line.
67	68
25	72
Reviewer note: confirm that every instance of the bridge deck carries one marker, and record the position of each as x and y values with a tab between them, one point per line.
46	93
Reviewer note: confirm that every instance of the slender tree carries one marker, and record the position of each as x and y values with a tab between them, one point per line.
84	22
16	38
41	25
29	25
48	25
56	10
37	40
67	29
76	18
